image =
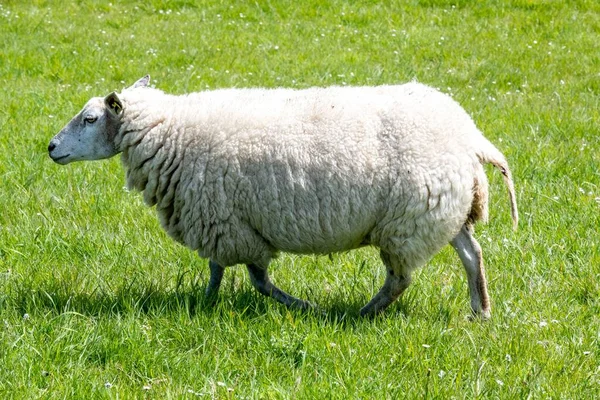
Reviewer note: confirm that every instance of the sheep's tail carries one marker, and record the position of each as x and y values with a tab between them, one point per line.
490	154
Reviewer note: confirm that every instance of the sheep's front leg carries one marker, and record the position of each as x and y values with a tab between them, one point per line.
261	282
469	252
397	280
214	283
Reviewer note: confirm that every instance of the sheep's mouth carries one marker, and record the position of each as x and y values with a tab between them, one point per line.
57	159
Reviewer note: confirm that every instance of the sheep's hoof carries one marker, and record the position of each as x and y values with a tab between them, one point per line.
370	311
481	315
313	309
301	305
210	297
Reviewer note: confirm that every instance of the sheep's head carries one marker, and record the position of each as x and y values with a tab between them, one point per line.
90	134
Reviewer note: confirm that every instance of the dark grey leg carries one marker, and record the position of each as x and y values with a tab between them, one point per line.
397	280
261	282
214	283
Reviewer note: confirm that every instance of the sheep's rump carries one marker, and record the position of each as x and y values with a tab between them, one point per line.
240	171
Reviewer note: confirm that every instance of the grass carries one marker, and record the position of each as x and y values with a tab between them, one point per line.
97	302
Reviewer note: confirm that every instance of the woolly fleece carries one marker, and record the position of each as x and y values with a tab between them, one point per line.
240	174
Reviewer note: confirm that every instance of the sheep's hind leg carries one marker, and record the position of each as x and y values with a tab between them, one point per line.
261	282
214	283
469	252
397	280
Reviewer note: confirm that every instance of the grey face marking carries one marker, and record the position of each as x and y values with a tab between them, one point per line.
90	134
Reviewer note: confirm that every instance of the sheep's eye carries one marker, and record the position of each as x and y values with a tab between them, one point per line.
90	120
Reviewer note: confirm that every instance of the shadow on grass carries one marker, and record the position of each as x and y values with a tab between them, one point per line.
153	300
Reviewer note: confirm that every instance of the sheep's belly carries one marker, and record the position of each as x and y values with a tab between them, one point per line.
316	234
318	244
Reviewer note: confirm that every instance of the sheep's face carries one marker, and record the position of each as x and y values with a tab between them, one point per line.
90	134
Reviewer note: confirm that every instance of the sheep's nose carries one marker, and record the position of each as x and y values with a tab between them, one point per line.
51	146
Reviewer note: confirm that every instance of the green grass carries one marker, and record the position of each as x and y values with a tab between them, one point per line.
97	302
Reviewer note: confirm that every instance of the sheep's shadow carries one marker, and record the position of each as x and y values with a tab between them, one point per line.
152	300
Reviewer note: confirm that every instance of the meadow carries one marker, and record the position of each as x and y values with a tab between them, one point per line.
97	302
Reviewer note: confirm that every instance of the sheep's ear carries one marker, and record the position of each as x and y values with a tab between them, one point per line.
113	103
143	82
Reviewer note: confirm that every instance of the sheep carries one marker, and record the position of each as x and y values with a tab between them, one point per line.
239	175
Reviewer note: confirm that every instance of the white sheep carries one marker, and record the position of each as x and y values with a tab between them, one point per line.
240	174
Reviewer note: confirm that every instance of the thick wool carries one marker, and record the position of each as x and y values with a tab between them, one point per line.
240	174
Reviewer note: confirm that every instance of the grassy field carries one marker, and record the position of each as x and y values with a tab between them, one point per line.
97	302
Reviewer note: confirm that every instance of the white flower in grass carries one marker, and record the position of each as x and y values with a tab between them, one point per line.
108	385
